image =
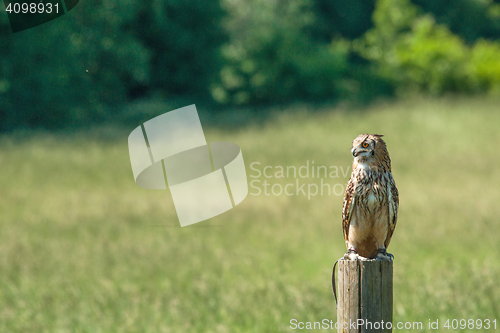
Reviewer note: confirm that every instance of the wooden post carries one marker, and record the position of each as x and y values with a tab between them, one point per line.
364	296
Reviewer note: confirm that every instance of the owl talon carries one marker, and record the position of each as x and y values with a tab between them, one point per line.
383	255
352	254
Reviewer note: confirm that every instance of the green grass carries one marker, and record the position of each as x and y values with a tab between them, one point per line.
83	249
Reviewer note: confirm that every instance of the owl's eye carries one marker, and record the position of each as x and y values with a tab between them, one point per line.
364	144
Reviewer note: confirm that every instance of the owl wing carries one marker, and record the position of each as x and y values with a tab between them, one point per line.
349	203
393	199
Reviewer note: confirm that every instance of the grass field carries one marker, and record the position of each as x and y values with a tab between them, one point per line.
83	249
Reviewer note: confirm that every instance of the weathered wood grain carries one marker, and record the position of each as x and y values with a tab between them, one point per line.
365	296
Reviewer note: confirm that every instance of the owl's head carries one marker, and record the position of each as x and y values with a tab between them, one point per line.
368	148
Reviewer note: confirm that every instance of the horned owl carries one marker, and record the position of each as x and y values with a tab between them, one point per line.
371	201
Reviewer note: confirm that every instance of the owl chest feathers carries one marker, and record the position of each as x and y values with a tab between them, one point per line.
371	188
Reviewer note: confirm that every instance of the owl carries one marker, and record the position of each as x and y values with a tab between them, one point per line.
371	201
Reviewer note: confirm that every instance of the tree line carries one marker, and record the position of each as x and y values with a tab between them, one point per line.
88	65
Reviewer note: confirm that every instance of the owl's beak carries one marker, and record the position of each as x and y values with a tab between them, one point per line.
354	152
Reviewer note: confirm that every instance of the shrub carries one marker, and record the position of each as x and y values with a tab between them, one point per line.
184	37
432	58
484	67
416	54
270	57
71	71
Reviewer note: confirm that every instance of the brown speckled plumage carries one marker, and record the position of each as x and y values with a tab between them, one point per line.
371	199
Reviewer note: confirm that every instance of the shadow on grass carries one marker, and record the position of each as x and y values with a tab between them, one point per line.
227	118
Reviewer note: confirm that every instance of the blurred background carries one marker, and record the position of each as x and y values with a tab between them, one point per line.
83	249
96	64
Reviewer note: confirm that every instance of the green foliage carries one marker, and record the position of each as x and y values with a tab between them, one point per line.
86	66
417	54
485	66
70	71
469	19
270	58
341	18
184	38
432	58
82	67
